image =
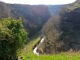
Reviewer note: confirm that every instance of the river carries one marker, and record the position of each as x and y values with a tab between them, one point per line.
35	49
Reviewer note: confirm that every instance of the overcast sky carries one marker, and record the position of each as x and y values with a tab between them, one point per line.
32	2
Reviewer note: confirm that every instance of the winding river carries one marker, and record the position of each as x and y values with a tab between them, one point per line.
35	49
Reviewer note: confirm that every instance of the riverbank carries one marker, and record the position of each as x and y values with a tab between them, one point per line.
28	49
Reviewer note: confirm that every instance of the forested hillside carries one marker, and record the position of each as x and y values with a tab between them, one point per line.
63	32
33	17
70	26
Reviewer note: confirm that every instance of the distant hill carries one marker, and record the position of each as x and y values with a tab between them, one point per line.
54	8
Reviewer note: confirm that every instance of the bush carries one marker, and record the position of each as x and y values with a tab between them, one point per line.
12	38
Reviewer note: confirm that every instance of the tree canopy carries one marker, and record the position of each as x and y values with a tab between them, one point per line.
12	38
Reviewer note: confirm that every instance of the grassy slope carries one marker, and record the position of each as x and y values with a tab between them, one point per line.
62	56
28	55
28	48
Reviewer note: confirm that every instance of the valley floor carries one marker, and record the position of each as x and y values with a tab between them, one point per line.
28	54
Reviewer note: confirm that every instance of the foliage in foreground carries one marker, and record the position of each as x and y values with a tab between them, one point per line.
12	38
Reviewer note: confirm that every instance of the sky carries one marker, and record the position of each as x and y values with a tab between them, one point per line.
34	2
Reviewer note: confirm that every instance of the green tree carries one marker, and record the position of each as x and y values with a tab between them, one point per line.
12	38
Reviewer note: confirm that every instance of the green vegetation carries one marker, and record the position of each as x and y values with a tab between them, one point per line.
33	41
29	55
62	32
62	56
12	38
28	48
